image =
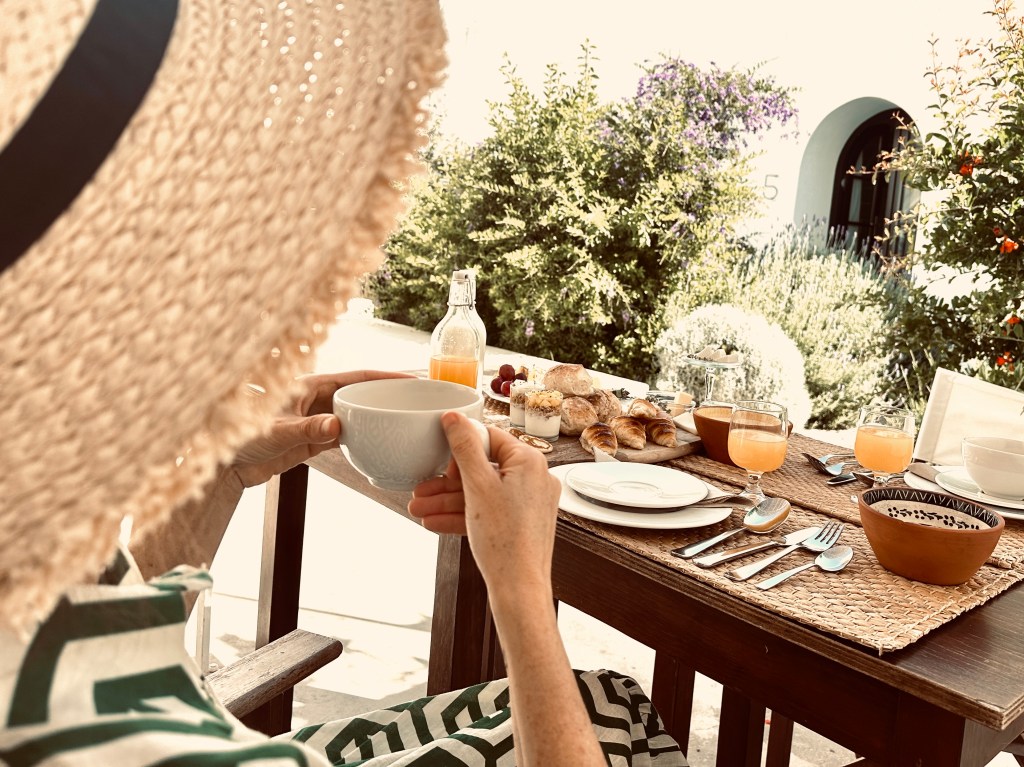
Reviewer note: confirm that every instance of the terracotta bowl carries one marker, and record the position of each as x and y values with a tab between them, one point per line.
712	422
927	536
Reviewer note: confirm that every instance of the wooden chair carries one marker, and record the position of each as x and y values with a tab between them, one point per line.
258	688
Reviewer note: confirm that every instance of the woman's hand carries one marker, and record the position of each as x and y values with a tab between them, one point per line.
509	513
306	429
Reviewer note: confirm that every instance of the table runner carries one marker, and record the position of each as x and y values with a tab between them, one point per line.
864	603
799	483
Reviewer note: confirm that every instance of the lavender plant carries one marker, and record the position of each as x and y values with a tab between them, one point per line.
582	218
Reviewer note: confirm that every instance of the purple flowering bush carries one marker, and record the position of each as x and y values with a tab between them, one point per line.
586	220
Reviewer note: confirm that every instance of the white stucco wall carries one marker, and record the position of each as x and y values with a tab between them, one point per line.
848	61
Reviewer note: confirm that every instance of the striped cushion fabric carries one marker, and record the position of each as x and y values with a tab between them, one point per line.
106	680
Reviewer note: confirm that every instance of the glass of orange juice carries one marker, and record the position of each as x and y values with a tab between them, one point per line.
885	441
758	434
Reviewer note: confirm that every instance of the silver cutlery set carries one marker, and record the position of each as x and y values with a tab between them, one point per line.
762	519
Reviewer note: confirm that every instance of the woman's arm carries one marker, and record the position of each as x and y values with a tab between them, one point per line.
509	515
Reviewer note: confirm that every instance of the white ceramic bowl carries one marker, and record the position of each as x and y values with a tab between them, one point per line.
391	428
996	465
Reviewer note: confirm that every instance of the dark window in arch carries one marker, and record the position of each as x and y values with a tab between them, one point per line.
861	205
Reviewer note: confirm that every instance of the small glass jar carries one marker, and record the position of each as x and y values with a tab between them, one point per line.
517	402
543	413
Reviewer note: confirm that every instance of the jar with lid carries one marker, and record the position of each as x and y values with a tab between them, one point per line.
457	343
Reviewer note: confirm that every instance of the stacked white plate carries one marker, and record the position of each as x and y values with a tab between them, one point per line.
955	481
637	495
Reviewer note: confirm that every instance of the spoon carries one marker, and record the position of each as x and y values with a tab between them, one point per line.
831	561
763	518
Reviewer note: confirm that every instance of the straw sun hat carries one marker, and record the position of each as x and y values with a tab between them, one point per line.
188	191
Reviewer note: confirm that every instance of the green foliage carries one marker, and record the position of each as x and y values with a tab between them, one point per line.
582	219
773	367
974	165
834	305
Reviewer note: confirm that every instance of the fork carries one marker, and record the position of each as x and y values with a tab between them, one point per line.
828	535
824	459
834	469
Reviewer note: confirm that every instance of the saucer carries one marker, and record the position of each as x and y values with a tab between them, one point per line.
641	485
957	482
693	516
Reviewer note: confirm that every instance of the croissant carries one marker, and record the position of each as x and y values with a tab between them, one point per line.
599	436
643	408
629	431
661	431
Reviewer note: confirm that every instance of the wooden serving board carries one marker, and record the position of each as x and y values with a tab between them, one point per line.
569	449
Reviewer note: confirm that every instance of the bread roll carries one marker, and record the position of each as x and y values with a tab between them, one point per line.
606	404
569	379
643	408
661	431
629	431
599	436
577	414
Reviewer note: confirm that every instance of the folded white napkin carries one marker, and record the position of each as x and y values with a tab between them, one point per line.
685	422
960	406
600	456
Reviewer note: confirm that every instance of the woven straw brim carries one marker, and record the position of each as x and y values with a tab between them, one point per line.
159	323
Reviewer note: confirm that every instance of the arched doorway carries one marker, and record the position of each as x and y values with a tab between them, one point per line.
863	203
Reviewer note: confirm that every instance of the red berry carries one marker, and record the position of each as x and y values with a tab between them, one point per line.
507	372
520	376
496	385
506	388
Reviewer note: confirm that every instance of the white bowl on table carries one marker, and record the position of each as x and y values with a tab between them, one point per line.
996	465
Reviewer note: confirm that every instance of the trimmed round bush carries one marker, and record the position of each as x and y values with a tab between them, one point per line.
773	367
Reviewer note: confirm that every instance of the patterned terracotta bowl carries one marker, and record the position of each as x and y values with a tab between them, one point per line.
927	536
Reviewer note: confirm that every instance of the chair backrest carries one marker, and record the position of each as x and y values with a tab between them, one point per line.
960	406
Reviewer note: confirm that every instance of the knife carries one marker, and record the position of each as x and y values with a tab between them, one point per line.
748	571
798	536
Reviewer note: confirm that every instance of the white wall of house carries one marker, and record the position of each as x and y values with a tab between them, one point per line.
848	61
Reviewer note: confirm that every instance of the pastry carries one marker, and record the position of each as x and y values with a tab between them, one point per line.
661	431
570	380
629	431
643	409
599	436
577	414
606	404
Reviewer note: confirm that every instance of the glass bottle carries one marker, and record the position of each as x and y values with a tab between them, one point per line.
477	319
457	343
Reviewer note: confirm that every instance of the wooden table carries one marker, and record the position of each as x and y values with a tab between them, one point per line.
953	698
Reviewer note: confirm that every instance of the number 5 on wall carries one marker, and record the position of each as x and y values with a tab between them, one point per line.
770	190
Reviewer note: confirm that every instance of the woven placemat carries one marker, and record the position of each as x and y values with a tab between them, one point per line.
800	484
864	603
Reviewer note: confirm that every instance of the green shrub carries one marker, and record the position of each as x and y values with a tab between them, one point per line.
773	367
583	219
833	305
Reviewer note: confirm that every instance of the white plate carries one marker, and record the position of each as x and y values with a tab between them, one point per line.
640	485
957	482
694	516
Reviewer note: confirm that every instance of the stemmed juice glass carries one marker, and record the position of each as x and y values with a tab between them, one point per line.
885	441
758	434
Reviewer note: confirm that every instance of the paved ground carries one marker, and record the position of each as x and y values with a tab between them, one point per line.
368	580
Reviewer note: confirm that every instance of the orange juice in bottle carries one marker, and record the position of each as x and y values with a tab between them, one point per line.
457	343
